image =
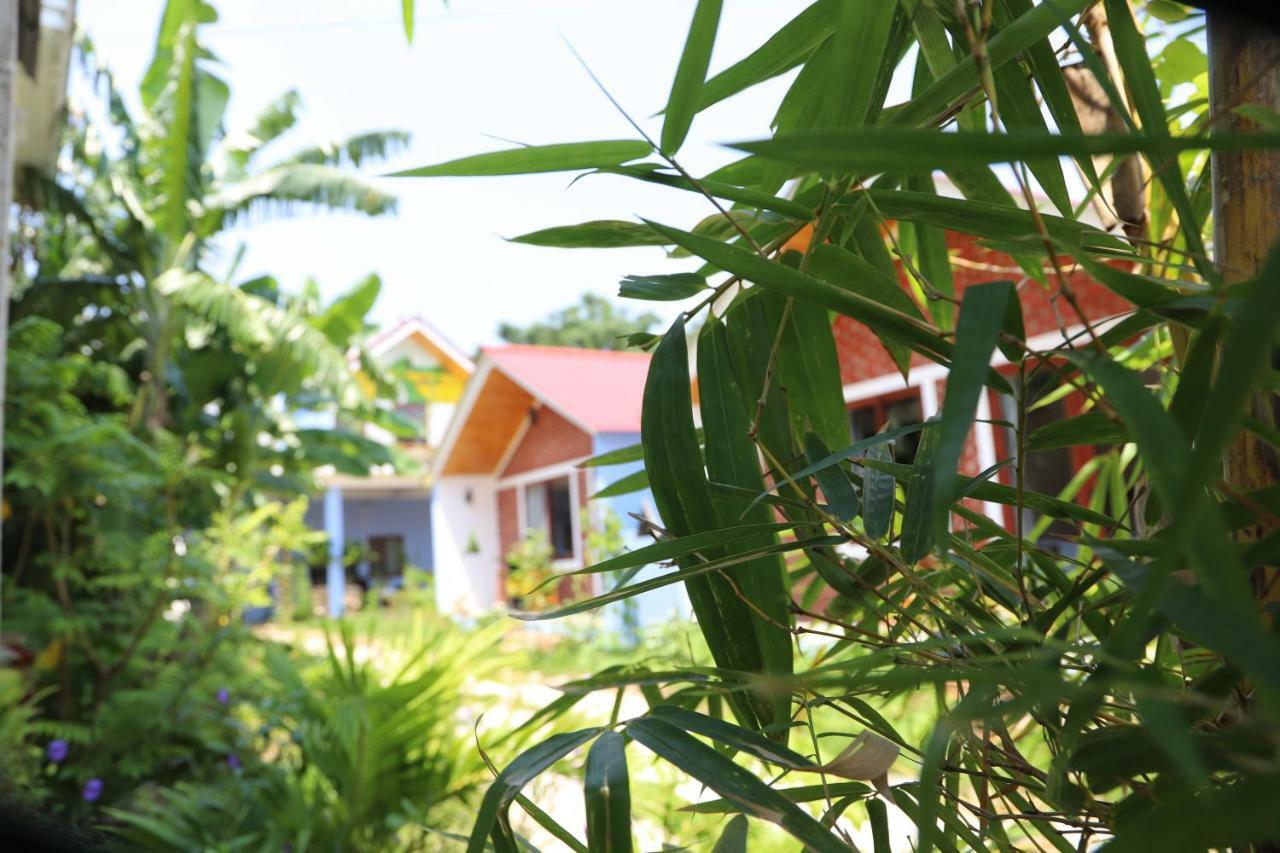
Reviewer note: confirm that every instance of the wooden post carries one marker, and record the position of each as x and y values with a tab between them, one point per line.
1244	67
8	132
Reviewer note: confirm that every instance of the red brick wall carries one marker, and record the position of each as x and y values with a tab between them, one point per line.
508	532
863	357
549	440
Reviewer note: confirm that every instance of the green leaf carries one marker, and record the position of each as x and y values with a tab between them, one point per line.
878	495
691	74
809	371
406	14
790	282
734	837
736	737
796	794
858	49
598	234
725	599
752	198
1140	81
608	794
878	815
844	269
1245	360
531	159
752	797
978	489
683	499
982	314
962	81
842	500
898	149
732	458
784	50
982	219
1089	428
634	482
918	533
1020	110
663	288
679	546
499	796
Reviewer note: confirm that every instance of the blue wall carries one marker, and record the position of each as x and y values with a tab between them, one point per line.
657	606
409	517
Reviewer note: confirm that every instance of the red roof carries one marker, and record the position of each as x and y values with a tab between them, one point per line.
599	389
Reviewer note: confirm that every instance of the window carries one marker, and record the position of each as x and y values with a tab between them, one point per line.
548	506
871	416
1045	471
386	556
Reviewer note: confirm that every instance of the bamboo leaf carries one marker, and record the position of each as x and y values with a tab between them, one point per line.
734	837
961	81
858	48
598	234
918	533
663	288
727	734
683	498
1140	80
781	52
796	794
753	797
878	815
982	314
691	74
608	795
1001	494
878	495
842	500
531	159
732	458
790	282
989	220
406	16
695	571
1089	428
636	481
897	149
520	772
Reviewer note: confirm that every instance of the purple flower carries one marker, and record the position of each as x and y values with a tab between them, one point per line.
56	751
223	696
233	762
92	790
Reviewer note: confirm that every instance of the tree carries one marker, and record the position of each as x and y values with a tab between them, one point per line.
154	454
1125	690
148	195
594	323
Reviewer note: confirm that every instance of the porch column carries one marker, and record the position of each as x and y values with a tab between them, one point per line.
335	578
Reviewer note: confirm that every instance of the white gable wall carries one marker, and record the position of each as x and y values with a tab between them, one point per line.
464	533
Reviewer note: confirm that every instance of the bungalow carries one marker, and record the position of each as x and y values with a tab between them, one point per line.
382	519
877	394
509	464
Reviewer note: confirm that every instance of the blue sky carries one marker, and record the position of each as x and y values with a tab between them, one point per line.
478	69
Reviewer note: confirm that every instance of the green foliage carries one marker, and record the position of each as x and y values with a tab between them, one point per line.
343	754
595	323
1112	683
156	467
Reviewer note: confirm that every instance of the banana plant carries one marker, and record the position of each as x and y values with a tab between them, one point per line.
153	191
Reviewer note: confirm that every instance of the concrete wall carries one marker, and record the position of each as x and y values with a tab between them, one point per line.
464	523
657	606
